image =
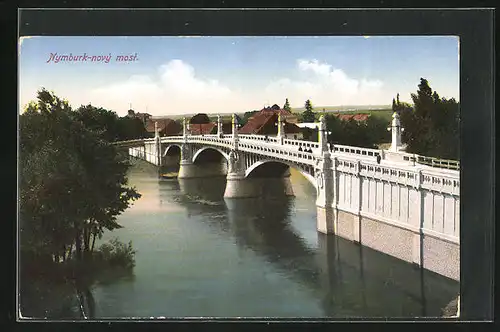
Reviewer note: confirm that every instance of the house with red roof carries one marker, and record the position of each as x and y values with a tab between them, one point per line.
203	128
265	122
166	126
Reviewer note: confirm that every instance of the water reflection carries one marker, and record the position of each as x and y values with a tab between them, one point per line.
199	254
349	280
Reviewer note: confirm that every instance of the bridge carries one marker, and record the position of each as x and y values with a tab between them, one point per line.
402	204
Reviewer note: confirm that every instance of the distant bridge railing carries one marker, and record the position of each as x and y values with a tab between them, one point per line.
436	162
295	150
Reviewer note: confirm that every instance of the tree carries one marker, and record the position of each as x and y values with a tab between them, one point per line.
287	107
131	128
308	114
101	120
72	187
200	118
367	134
73	182
432	125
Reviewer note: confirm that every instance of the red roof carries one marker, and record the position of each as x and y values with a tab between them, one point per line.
264	123
357	117
256	123
203	128
271	110
165	126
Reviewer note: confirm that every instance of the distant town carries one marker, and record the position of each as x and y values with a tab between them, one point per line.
258	122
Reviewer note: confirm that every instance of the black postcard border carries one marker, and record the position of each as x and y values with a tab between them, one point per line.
473	26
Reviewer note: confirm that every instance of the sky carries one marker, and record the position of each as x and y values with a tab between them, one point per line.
177	75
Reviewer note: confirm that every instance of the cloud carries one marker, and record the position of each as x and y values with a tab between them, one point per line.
179	78
175	89
326	85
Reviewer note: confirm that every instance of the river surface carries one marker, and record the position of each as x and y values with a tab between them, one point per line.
199	255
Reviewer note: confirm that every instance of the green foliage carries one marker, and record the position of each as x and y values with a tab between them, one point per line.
310	134
72	180
308	114
432	125
367	134
108	125
287	107
116	254
73	186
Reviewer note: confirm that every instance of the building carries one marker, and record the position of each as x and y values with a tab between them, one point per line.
166	126
265	122
203	128
285	115
144	117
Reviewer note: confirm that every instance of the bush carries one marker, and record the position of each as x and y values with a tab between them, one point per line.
116	254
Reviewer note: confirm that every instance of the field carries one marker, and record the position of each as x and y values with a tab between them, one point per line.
383	111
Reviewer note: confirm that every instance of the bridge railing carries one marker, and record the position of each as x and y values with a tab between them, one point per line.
271	143
261	138
429	161
355	150
430	179
141	153
436	162
212	139
300	143
280	151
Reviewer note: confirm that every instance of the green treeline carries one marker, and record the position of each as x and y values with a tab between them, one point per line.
73	185
110	125
431	125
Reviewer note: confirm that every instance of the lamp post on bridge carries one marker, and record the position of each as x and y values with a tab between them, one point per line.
325	183
157	144
323	137
281	129
235	128
396	132
184	128
219	127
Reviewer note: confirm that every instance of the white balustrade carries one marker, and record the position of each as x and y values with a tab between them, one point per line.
270	146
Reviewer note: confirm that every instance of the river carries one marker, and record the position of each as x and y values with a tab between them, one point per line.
199	255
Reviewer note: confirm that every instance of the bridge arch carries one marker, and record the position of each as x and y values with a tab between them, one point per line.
200	151
259	163
169	147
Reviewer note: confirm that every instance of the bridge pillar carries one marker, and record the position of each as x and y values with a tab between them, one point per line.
187	168
325	185
237	186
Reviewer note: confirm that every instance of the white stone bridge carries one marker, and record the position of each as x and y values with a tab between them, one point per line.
405	205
